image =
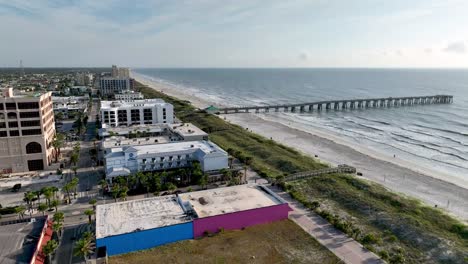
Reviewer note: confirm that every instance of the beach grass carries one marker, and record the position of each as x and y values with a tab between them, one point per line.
278	242
398	228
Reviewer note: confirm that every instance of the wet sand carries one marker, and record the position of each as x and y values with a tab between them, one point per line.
393	173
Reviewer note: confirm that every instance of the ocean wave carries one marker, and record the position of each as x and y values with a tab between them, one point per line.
443	130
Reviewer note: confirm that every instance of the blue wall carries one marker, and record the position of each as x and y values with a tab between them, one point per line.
125	243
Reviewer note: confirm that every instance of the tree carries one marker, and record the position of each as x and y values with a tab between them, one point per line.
68	188
47	191
123	193
58	217
29	198
74	183
171	187
42	208
115	192
74	158
20	211
49	249
38	195
57	227
103	184
89	213
197	172
203	181
93	202
57	143
54	204
84	248
74	169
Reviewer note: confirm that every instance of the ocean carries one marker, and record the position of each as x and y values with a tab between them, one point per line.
432	136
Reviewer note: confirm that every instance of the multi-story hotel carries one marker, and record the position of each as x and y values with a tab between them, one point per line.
27	129
109	86
120	72
137	112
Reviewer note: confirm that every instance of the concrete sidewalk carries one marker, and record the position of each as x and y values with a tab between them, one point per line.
344	247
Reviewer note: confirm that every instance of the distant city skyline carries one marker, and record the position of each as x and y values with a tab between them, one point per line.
254	33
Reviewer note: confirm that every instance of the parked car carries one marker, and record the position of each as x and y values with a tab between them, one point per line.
16	187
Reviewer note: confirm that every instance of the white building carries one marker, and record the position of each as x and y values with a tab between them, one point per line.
137	112
123	161
129	96
70	106
109	86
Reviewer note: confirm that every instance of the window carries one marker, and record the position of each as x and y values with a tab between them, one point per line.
29	114
34	165
30	123
2	125
13	124
14	133
122	116
10	106
30	105
33	147
135	115
12	115
30	132
147	114
3	134
1	107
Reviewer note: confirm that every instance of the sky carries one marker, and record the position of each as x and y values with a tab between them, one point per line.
234	33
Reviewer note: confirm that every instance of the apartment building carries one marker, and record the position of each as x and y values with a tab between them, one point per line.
27	129
120	72
109	86
137	112
125	160
129	96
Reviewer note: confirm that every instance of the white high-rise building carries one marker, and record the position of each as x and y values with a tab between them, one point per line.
120	72
137	112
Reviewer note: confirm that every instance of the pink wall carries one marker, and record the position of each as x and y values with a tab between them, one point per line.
241	219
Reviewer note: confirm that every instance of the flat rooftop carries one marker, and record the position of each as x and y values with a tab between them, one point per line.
181	146
129	216
114	141
187	129
132	103
18	241
230	199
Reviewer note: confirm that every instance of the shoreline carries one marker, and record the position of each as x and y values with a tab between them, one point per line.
396	175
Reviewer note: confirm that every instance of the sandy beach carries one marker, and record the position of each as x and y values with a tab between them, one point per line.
445	191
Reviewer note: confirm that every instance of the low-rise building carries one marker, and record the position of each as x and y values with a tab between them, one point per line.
128	96
129	159
174	132
27	129
70	107
137	112
141	224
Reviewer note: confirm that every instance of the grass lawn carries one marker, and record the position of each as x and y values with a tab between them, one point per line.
278	242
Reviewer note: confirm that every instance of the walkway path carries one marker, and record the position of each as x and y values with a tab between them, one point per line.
344	247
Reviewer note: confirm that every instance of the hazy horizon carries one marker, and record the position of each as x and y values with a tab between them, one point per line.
235	34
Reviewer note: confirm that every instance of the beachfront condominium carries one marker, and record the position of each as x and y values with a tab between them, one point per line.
120	72
137	112
109	86
27	129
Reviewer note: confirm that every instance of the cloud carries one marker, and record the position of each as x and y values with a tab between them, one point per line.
456	47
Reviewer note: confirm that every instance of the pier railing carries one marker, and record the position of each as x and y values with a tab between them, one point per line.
309	174
343	104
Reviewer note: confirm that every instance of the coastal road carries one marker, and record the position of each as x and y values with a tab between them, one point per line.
344	247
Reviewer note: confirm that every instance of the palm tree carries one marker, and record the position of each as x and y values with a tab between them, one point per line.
57	143
29	198
20	211
74	169
103	184
84	248
57	227
203	181
67	188
47	191
42	207
59	217
115	191
54	191
74	183
93	202
123	193
54	204
38	195
49	249
89	213
74	158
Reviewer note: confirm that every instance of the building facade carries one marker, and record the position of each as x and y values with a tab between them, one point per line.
125	160
109	86
141	224
129	96
120	72
137	112
27	129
